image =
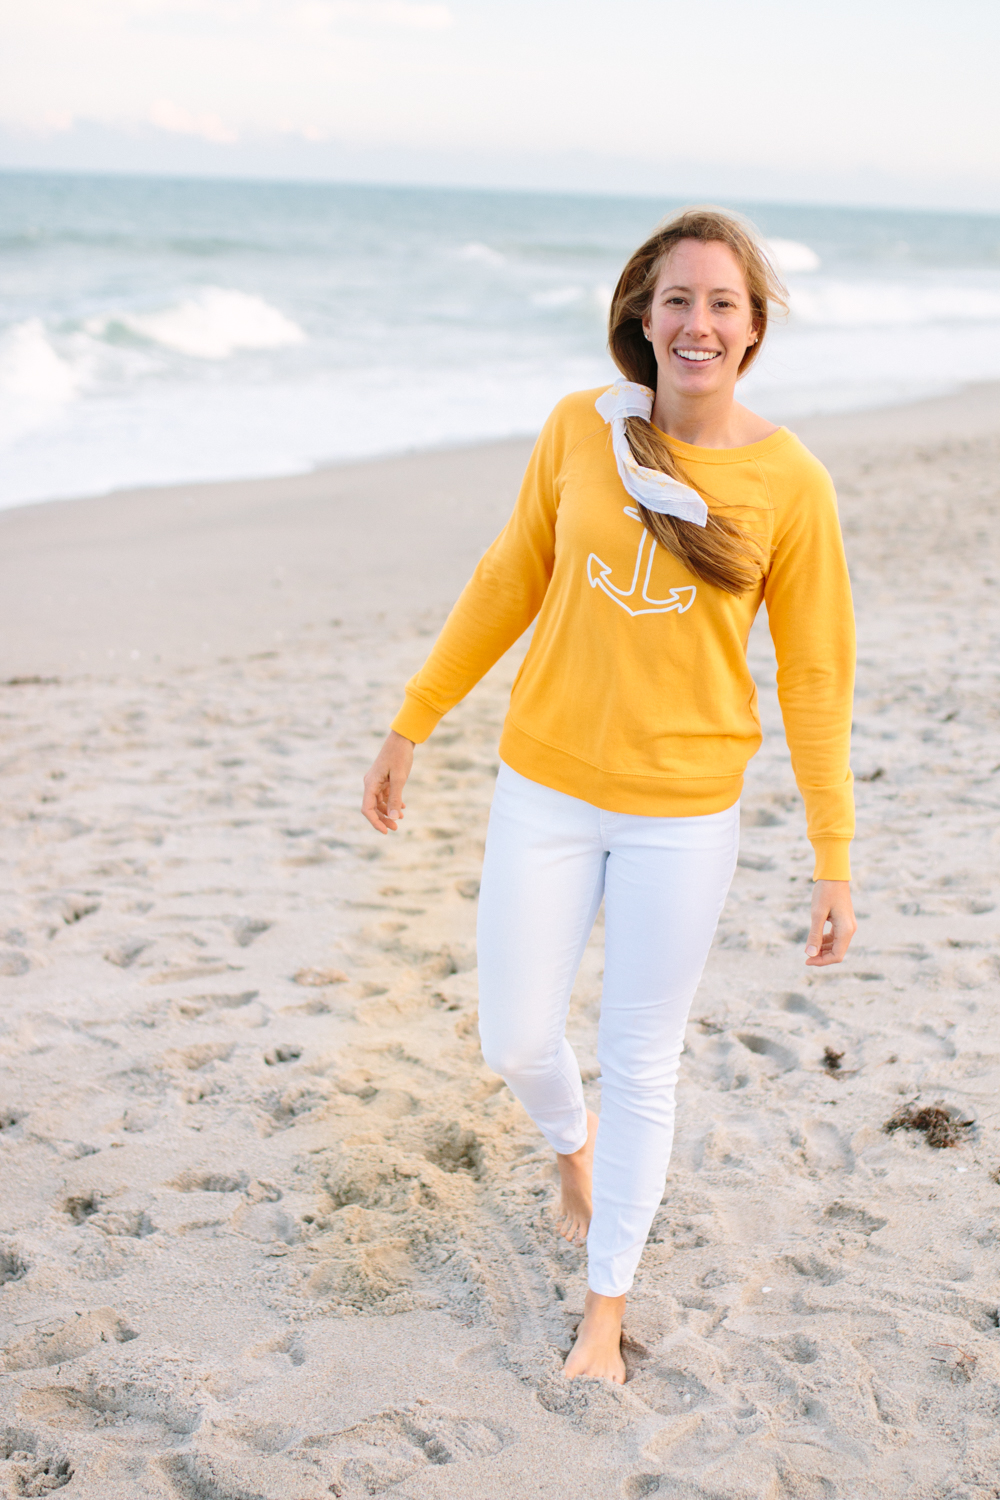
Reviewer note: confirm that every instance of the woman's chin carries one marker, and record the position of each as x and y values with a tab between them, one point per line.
693	382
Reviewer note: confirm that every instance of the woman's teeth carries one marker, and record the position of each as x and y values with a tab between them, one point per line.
698	356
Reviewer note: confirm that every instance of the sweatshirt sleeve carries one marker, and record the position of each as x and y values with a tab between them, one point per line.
498	603
811	618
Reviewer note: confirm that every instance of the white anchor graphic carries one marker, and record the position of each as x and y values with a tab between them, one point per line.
599	577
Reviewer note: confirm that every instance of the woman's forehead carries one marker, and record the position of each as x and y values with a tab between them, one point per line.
703	260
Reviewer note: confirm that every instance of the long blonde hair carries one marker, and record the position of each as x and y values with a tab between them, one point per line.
723	552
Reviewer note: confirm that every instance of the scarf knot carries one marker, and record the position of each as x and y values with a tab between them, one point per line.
652	488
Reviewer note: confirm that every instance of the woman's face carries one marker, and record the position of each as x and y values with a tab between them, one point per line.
700	321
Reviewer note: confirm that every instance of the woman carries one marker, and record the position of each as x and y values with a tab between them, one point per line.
653	521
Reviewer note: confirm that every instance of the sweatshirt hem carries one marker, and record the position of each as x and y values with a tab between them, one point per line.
639	795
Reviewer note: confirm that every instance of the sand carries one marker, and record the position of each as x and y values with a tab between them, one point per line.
269	1227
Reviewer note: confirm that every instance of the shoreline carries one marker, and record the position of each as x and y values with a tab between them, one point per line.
821	420
143	578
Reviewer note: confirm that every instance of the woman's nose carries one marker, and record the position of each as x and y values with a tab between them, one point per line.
698	320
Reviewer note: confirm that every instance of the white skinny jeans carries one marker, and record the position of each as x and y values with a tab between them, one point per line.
549	860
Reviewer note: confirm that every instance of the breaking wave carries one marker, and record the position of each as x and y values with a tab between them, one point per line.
792	257
213	324
31	369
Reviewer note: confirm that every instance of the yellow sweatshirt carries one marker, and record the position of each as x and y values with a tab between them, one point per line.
635	694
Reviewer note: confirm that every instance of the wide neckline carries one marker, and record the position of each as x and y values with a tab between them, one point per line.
724	455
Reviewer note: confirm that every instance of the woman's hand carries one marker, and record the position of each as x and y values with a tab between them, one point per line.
383	800
831	902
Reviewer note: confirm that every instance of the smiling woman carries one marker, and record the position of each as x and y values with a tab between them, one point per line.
642	555
686	340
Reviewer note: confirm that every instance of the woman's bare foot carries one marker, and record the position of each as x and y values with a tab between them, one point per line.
576	1176
598	1348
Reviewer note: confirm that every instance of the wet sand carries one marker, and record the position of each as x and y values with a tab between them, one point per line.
269	1227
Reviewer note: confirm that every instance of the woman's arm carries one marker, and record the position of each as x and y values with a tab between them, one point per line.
811	619
496	606
498	603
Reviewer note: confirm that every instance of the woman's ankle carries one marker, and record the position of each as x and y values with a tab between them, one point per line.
598	1304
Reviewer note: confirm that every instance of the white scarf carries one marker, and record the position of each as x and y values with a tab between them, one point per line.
653	489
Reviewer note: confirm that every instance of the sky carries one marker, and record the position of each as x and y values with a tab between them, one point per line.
858	101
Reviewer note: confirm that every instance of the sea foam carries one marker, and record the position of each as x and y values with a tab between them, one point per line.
30	368
792	257
836	303
214	324
36	383
475	250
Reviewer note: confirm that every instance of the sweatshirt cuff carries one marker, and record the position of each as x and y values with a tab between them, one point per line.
833	859
416	719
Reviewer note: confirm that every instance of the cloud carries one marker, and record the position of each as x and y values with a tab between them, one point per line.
513	82
168	116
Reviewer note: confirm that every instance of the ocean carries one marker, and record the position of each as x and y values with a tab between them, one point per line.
156	330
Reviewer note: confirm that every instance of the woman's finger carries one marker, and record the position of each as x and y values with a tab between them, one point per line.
844	928
373	805
814	942
396	783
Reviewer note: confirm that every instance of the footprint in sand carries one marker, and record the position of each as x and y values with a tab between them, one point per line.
814	1269
282	1054
798	1005
129	1223
317	978
24	1470
74	908
775	1057
209	1181
194	1058
457	1150
66	1341
138	1394
246	929
387	1449
638	1486
81	1206
12	1267
825	1148
124	955
192	1007
798	1349
854	1217
284	1344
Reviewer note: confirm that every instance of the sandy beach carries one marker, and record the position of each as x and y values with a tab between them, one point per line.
270	1230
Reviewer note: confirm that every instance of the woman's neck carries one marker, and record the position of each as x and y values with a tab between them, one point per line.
707	424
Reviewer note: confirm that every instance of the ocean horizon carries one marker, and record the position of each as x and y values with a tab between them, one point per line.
158	330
